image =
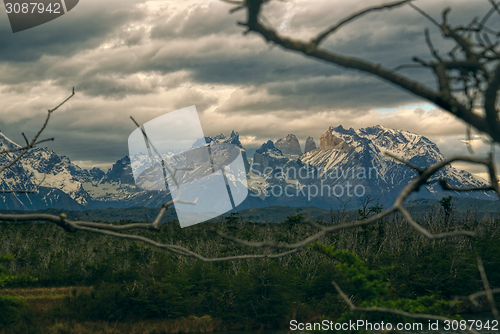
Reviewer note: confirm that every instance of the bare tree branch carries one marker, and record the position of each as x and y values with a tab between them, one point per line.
424	174
407	163
321	37
424	14
172	173
473	65
467	76
473	297
111	230
487	288
355	308
31	144
494	4
26	191
34	141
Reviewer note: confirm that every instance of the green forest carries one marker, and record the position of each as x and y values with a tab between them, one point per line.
53	281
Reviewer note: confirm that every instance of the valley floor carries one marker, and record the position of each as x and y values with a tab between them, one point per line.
40	315
79	283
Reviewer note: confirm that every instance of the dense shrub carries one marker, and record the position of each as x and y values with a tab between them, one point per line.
134	281
10	306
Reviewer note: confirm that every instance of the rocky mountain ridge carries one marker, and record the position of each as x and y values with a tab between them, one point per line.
346	159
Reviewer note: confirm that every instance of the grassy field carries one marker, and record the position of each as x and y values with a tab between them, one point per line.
44	294
87	283
39	315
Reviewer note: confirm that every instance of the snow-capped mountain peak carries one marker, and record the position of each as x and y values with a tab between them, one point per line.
340	150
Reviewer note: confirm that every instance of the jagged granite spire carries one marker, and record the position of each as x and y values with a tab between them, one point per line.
310	145
329	141
289	146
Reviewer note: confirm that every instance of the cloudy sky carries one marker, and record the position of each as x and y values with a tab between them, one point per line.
147	58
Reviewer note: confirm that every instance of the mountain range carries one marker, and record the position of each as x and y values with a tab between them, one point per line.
345	167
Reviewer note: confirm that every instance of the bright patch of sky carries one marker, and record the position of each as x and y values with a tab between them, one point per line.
423	106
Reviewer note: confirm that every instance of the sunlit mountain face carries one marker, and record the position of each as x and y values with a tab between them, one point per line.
343	167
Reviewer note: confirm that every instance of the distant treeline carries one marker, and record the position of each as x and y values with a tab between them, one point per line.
480	208
134	281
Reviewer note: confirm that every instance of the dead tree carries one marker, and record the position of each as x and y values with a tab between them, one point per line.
29	144
468	76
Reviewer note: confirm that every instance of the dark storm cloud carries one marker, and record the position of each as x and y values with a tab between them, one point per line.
125	58
315	94
81	29
114	87
201	21
206	42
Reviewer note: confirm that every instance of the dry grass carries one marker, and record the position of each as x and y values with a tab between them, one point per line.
44	293
39	317
192	324
39	301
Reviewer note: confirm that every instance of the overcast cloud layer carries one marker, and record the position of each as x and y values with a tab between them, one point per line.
146	58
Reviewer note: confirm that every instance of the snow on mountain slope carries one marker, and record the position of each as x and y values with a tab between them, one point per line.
366	152
338	161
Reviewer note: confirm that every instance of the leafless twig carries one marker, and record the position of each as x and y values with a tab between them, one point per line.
478	64
321	37
470	73
473	297
29	145
355	308
487	288
26	191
